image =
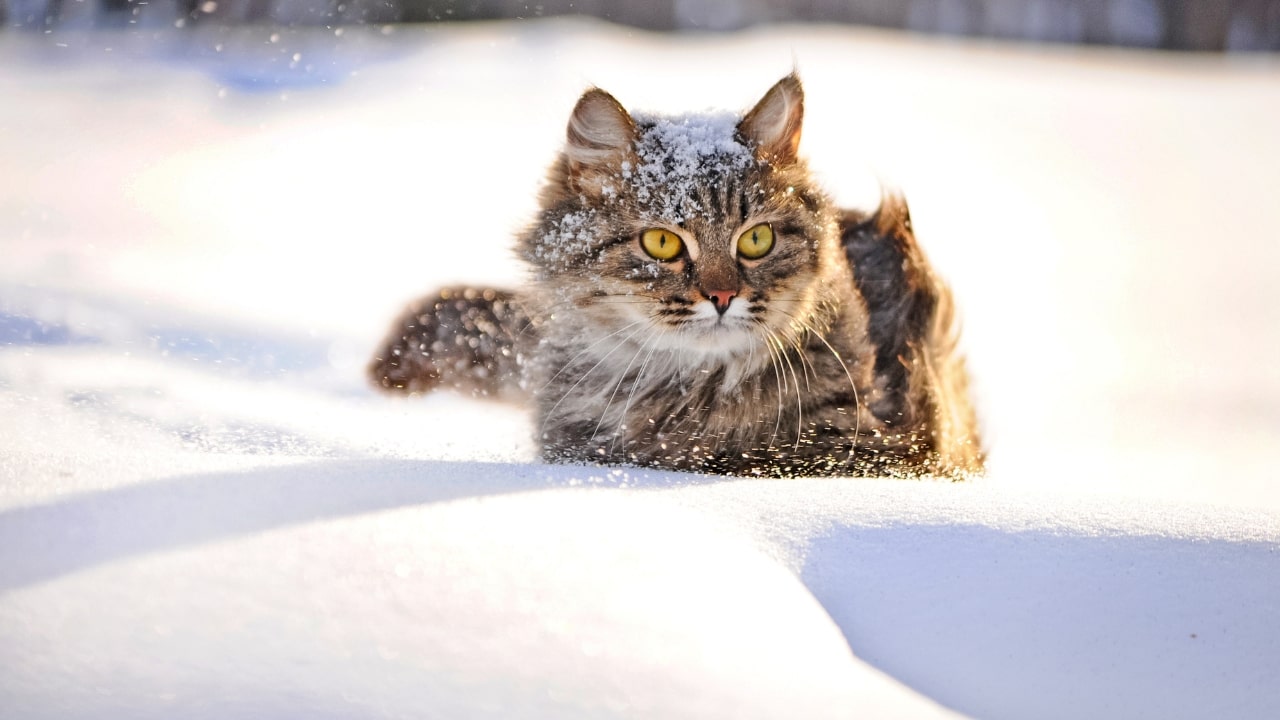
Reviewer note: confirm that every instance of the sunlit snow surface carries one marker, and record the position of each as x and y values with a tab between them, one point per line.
204	512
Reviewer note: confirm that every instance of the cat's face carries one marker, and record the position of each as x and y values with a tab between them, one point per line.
701	234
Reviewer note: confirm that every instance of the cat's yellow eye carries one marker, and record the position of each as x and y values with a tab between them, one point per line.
756	242
661	244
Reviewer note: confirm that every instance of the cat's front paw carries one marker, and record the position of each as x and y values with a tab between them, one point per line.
459	338
406	361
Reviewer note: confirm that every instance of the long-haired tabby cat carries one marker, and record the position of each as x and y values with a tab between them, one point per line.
697	303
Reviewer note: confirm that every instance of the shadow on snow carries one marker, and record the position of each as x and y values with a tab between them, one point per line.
1000	624
44	542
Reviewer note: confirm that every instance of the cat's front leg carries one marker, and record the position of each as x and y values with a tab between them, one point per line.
461	338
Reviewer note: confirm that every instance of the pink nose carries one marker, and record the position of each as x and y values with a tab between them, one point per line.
721	298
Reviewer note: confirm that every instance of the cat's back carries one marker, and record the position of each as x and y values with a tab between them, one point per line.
913	326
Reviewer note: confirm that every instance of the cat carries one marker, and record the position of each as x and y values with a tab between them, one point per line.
697	303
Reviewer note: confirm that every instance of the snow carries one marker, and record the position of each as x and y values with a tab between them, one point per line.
568	240
674	152
204	512
671	154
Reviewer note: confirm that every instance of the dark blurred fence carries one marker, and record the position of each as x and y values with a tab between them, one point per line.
1210	25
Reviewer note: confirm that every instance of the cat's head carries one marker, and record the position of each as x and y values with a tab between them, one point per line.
700	232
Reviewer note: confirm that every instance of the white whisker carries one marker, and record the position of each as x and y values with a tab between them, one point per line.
636	383
550	413
779	382
857	404
568	364
782	352
621	378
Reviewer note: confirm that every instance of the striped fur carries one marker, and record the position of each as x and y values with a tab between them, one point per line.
835	356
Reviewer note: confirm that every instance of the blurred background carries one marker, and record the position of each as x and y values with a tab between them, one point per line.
1196	25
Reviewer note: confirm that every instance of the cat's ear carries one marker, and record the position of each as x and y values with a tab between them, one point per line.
773	125
601	135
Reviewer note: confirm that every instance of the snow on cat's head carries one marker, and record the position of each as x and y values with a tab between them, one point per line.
701	232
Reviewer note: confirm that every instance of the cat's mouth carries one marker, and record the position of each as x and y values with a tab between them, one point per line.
719	326
694	329
705	318
711	333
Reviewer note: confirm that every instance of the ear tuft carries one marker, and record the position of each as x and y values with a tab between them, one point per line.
773	125
600	133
